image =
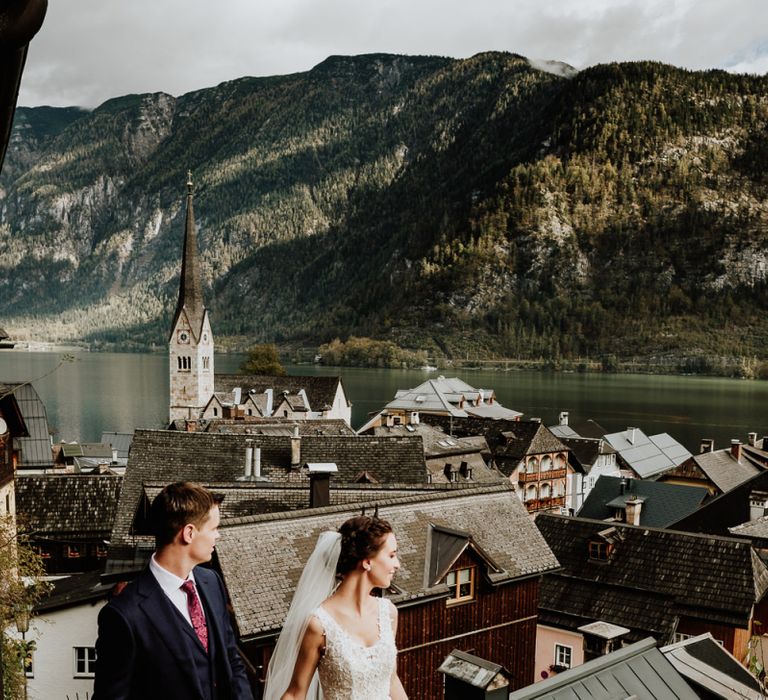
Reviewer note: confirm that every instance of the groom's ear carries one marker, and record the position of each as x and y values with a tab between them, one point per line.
186	534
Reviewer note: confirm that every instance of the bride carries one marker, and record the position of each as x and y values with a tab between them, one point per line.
341	636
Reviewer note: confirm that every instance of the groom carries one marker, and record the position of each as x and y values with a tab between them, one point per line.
167	636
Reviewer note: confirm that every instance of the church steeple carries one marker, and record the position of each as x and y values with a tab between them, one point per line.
190	345
190	288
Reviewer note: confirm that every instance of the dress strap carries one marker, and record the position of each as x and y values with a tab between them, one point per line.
385	621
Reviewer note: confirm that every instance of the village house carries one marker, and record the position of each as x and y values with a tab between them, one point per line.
719	471
443	396
12	428
64	630
69	518
534	460
590	455
33	449
666	584
449	458
462	584
646	457
741	505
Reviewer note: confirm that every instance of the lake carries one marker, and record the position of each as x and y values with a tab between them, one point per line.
120	391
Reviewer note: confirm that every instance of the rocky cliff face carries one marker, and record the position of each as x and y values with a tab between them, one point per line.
521	209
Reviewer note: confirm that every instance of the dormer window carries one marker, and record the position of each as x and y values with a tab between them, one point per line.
599	551
461	583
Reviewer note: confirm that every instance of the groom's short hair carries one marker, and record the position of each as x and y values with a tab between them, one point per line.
177	505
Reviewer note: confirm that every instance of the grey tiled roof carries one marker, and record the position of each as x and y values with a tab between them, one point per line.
663	504
35	449
71	506
120	442
647	456
713	578
723	470
279	426
569	603
262	557
638	671
320	390
168	456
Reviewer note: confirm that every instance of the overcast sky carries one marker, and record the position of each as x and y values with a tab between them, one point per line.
91	50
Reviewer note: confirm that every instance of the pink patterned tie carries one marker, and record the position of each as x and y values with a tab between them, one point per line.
196	612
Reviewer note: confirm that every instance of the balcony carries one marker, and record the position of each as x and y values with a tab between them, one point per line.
545	503
525	477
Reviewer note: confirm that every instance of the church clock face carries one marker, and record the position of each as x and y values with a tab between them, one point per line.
183	337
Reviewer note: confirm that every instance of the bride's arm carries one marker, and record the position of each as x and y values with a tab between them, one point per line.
396	690
306	662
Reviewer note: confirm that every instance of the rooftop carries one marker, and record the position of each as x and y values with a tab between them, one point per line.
262	557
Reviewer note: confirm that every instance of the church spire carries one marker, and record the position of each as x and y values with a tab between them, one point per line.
190	288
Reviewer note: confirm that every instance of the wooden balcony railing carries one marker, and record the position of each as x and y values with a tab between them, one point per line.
525	477
545	503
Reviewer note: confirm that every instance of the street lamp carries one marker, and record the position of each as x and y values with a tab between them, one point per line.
21	616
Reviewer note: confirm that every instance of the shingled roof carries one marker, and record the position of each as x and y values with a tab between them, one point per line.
168	456
663	504
71	506
262	557
279	426
320	390
717	579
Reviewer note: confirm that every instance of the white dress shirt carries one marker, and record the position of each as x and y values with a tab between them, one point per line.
171	585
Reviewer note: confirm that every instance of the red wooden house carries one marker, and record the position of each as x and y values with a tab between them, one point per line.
471	563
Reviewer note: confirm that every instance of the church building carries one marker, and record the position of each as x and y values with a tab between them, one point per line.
190	345
198	397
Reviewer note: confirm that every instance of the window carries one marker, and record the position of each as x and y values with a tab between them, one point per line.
599	551
72	551
206	362
85	661
215	411
531	494
532	466
462	584
546	463
546	491
563	656
100	551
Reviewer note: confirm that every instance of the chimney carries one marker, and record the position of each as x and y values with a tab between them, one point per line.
270	399
295	447
736	450
237	394
114	456
415	418
622	485
248	459
320	483
706	445
631	435
257	463
752	439
563	418
633	508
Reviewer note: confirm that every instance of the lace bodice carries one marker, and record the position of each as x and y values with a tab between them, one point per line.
349	670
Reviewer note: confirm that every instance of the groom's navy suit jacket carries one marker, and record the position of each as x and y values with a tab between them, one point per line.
146	650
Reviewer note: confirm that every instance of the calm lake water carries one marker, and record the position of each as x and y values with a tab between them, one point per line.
120	392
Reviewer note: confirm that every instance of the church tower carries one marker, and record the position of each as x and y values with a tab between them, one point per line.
190	345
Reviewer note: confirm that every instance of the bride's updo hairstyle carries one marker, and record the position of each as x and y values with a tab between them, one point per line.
361	538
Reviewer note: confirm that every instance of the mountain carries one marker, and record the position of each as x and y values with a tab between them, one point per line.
488	206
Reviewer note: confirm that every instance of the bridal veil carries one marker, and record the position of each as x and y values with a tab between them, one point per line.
316	583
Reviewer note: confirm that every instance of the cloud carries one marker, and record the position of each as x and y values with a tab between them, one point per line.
90	50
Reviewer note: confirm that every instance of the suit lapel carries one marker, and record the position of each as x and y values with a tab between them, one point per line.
171	627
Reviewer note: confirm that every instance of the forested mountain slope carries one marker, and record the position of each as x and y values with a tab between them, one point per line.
476	205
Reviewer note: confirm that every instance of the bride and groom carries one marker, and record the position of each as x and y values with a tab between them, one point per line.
342	639
167	636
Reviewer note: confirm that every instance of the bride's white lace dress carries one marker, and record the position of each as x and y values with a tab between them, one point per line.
350	670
